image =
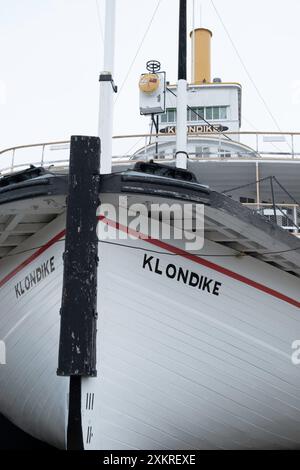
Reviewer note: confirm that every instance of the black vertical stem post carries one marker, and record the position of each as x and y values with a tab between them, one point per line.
182	45
77	348
74	427
77	344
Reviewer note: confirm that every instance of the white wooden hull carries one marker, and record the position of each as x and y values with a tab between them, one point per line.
178	368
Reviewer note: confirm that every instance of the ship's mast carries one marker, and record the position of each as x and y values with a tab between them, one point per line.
181	139
107	89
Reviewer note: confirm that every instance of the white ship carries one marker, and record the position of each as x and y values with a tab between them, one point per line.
194	347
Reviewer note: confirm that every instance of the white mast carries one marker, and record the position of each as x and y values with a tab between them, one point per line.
181	128
107	89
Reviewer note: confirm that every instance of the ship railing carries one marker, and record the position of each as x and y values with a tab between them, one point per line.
215	146
287	216
17	158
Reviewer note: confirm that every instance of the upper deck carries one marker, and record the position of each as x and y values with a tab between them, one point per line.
260	169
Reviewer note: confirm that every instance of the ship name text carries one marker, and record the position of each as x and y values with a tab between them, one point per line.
196	129
187	277
35	277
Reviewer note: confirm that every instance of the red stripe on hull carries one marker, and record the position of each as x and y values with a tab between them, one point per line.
170	249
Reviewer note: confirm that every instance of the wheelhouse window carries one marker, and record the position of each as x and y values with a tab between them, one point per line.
195	114
210	113
223	112
169	115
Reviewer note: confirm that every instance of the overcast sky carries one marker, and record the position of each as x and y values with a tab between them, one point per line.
51	55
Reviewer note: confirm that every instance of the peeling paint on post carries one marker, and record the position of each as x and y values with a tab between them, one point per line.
77	347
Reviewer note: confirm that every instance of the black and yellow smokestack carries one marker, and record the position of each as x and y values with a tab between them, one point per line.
201	56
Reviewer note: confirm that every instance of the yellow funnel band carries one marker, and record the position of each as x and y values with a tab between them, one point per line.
201	60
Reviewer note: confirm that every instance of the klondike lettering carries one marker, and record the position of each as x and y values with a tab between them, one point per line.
35	277
190	278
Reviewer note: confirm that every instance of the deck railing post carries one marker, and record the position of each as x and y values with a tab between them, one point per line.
257	186
295	218
13	160
43	152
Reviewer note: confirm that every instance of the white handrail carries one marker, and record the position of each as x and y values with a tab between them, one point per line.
234	148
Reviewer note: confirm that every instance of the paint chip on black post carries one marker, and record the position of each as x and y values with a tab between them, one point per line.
77	347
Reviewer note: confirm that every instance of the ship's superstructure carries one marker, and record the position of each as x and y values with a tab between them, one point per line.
259	169
212	107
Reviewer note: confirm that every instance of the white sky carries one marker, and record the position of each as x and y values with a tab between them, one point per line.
51	55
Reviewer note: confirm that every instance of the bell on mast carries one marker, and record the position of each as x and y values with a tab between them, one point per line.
153	89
